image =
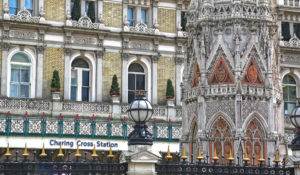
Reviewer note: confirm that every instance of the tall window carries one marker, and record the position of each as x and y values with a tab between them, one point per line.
285	30
289	94
136	80
29	5
130	17
80	78
144	15
13	7
183	21
75	10
20	76
90	10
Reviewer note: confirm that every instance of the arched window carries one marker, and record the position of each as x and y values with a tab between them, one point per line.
136	80
80	80
20	75
289	94
221	139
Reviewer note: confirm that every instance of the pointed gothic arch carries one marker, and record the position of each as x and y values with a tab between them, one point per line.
221	138
255	138
221	74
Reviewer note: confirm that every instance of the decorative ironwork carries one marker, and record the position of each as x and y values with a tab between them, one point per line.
47	164
82	128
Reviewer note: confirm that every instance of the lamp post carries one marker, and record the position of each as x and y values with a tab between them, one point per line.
140	111
295	119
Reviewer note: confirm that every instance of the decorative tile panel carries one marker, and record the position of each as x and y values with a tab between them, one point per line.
159	111
101	129
17	126
85	107
25	104
51	127
162	131
124	109
35	126
150	128
68	127
116	129
178	112
2	125
176	132
85	128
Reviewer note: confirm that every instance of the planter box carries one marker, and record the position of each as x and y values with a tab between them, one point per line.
115	99
170	102
55	96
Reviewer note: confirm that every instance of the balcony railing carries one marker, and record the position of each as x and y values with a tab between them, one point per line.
82	128
292	3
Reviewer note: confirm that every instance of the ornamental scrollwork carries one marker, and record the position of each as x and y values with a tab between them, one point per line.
142	28
25	16
293	42
85	22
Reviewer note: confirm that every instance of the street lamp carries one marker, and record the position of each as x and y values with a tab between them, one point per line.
140	111
295	119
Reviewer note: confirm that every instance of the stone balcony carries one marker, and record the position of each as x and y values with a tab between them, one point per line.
36	107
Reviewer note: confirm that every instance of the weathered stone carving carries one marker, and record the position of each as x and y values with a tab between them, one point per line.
145	45
252	75
84	40
85	22
23	34
142	28
24	16
221	74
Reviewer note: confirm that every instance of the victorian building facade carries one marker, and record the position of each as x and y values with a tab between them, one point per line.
240	77
87	42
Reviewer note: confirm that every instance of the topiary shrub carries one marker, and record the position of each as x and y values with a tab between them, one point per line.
170	90
55	82
114	89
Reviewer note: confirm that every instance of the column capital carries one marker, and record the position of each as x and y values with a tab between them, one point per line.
178	60
5	46
125	56
155	58
99	54
40	49
68	51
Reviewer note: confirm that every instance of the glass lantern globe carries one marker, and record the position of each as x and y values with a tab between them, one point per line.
295	120
140	110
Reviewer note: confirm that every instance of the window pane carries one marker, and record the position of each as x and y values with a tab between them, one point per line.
135	67
13	90
183	21
21	58
73	93
292	93
28	4
285	93
74	78
130	16
286	31
289	107
131	82
24	91
87	7
15	74
144	15
140	82
25	74
85	94
85	78
80	63
13	3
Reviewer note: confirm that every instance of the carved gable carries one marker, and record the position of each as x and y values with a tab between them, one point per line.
196	75
252	75
221	75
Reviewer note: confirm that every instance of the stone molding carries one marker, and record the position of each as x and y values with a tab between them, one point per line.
24	16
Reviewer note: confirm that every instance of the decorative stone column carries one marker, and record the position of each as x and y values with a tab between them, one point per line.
39	72
154	79
178	62
125	57
5	49
99	55
67	75
154	13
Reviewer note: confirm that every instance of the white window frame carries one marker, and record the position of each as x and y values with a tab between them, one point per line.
91	60
290	85
82	8
137	14
31	55
36	6
79	82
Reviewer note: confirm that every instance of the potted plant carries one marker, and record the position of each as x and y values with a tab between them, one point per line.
115	90
170	93
55	86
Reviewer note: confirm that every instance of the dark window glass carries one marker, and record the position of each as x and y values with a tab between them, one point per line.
183	21
289	94
135	67
80	63
130	96
29	5
85	94
285	30
73	93
144	15
140	82
131	81
85	78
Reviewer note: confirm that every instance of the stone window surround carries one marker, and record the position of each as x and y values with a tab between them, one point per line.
32	56
98	8
137	14
38	5
90	58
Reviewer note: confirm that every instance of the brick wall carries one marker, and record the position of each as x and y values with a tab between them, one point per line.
55	10
54	59
165	70
112	14
167	20
112	64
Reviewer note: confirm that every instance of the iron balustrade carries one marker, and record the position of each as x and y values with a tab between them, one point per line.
81	128
203	167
